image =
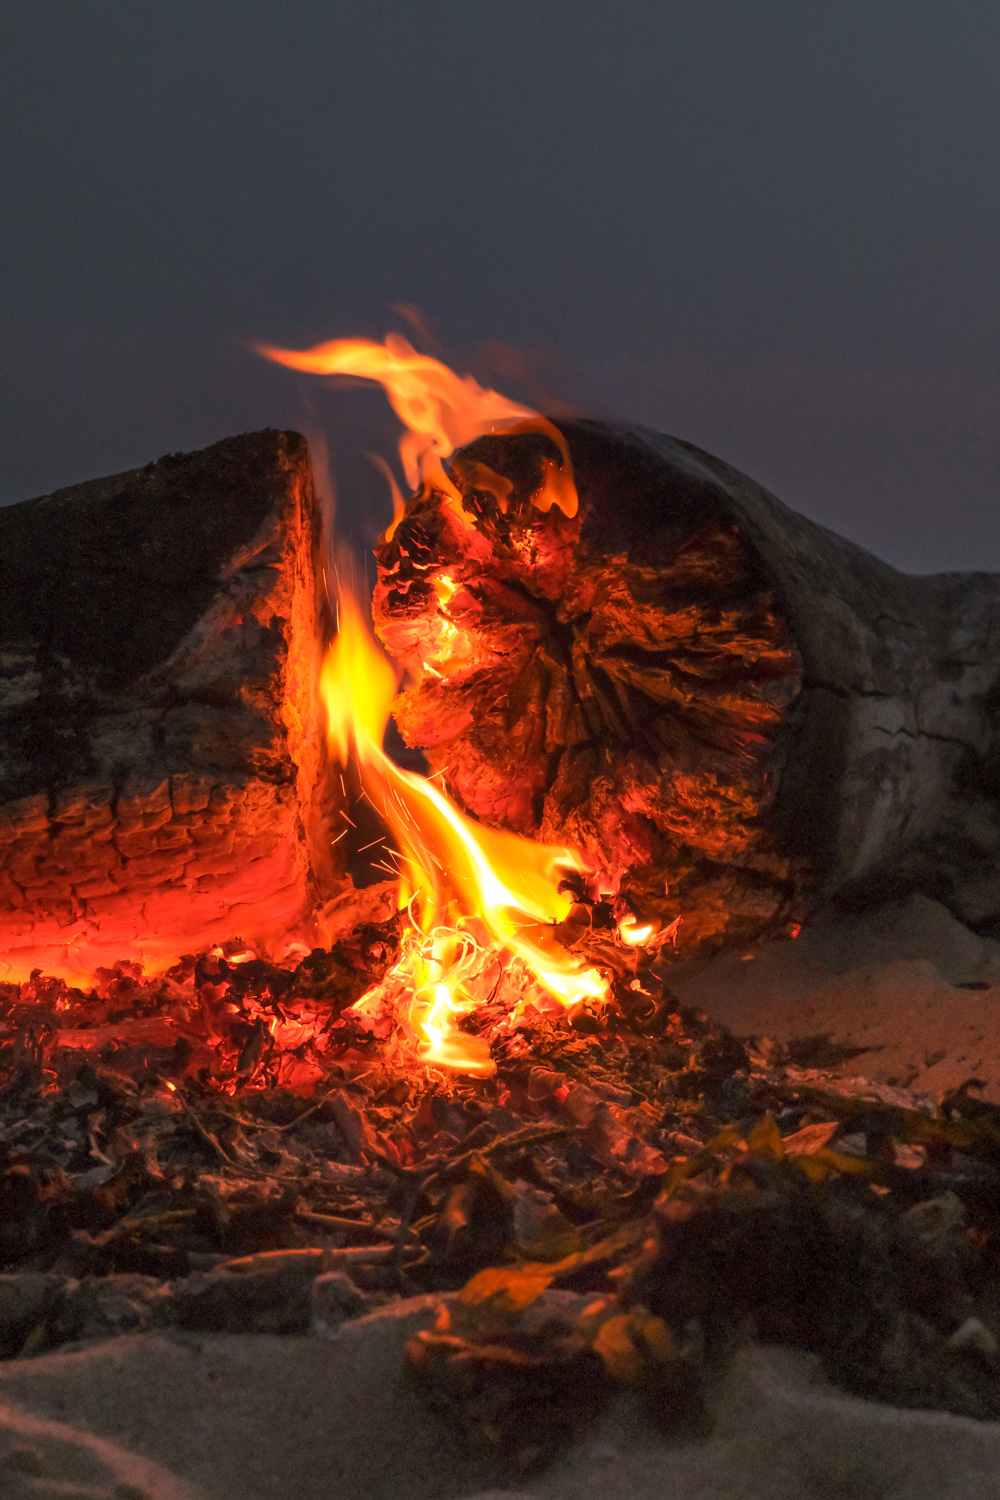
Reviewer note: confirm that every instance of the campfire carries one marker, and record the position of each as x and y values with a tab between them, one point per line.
276	1008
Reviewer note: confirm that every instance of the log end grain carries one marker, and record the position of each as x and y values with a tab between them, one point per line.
736	714
615	680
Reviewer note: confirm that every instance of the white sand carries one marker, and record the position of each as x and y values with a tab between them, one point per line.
886	981
262	1418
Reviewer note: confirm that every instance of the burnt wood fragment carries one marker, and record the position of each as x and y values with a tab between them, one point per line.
163	776
735	712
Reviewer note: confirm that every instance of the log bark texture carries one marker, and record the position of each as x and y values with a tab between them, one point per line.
738	714
163	778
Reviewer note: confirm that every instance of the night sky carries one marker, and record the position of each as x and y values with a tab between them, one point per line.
771	228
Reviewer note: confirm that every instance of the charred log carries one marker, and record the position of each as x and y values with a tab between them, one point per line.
163	780
736	713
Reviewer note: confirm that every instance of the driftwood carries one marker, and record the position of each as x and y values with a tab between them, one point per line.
736	713
163	775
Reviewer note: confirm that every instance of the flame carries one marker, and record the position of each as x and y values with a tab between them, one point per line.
440	411
635	936
473	895
469	890
398	503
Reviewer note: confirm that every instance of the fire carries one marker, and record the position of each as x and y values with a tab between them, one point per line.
472	893
482	904
440	411
633	935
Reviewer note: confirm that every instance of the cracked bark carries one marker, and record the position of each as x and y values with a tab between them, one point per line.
736	713
163	782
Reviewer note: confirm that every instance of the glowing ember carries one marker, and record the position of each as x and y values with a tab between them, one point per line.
472	893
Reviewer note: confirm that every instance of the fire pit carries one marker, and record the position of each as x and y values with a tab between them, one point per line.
249	1083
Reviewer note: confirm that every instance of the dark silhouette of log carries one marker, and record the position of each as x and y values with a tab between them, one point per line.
163	774
736	713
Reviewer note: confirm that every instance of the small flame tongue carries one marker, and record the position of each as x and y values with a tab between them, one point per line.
441	411
454	873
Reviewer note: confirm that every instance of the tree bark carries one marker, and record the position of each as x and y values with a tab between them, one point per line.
163	774
736	713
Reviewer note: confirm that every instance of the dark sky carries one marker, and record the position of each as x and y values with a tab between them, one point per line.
772	228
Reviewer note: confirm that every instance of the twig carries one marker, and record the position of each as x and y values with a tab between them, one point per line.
245	1168
341	1084
419	1183
332	1221
530	1135
323	1260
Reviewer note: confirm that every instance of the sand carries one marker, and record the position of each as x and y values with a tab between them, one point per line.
890	981
300	1418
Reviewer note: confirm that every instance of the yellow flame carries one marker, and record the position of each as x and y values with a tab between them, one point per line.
440	411
454	874
633	935
451	868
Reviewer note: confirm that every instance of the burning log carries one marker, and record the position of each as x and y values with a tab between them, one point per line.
164	781
733	712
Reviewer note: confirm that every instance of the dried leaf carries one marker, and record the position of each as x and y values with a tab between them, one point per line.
627	1342
765	1139
822	1164
656	1336
541	1231
480	1167
810	1138
680	1171
510	1289
620	1356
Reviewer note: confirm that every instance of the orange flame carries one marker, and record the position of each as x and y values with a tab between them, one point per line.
440	411
455	875
474	895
